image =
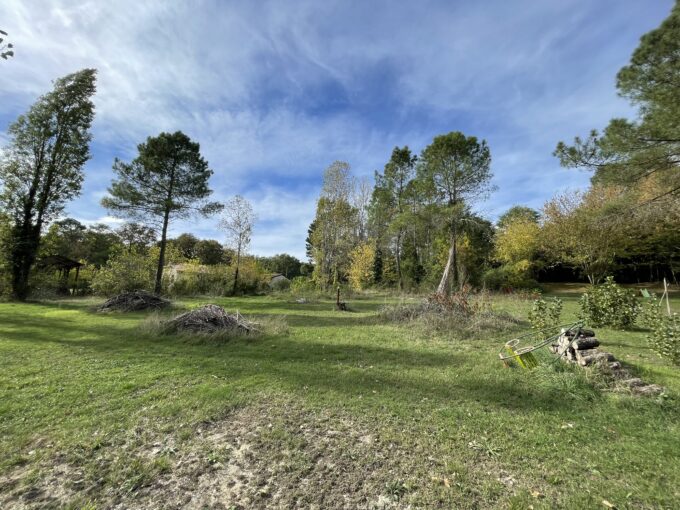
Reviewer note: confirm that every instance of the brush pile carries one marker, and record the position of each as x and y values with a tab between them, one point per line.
134	301
210	319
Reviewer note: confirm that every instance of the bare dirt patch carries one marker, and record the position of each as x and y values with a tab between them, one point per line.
256	457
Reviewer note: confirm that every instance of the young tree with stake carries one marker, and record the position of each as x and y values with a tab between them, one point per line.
167	180
237	223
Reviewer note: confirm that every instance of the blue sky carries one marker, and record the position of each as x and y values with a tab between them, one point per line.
276	91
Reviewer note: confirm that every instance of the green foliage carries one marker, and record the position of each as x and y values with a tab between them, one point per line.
508	277
136	235
186	244
361	274
70	238
517	213
125	271
42	166
193	279
609	305
168	179
287	265
6	49
665	337
545	315
302	285
628	151
454	171
333	234
210	252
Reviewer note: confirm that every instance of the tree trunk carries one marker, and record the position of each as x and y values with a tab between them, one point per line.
450	263
24	249
238	263
161	257
398	257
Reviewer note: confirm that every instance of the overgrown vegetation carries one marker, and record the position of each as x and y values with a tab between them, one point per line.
458	315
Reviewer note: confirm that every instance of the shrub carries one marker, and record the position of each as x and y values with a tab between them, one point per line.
302	285
281	285
125	271
609	305
664	337
505	277
545	314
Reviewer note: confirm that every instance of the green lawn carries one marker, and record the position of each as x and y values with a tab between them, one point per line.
341	411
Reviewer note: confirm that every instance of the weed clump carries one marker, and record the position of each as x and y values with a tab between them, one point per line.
457	314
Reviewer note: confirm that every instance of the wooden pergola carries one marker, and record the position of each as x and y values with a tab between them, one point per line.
63	265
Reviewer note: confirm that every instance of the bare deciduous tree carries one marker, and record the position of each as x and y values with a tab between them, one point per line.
237	223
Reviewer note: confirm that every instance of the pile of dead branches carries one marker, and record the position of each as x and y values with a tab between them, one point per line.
210	319
134	301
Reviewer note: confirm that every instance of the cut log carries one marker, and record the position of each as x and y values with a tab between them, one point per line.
563	345
591	356
585	353
582	344
580	332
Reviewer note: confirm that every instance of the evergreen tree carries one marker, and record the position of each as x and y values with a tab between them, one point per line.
167	180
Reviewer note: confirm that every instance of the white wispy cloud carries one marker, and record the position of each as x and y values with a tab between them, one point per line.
275	91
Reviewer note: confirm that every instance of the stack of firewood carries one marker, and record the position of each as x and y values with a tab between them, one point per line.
580	346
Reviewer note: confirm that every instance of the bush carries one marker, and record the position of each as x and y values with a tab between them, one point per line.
281	285
125	271
609	305
191	279
302	285
504	277
664	338
545	314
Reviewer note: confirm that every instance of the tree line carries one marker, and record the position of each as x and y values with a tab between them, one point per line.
419	228
415	227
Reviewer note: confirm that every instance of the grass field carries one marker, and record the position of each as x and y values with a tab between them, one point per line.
341	411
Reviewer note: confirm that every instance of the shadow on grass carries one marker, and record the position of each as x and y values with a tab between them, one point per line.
340	367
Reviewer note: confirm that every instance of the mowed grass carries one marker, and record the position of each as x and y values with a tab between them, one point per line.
74	383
